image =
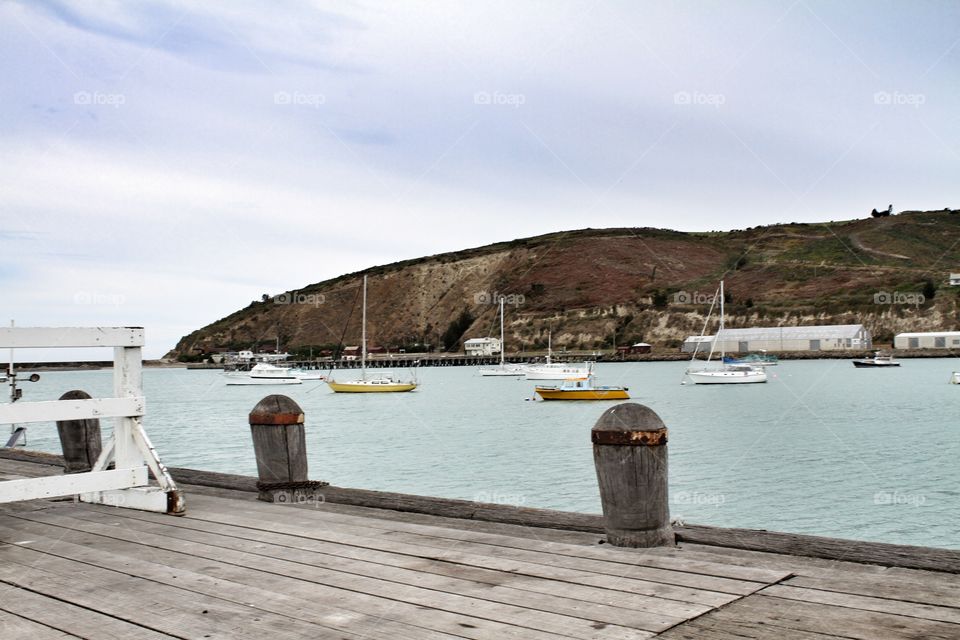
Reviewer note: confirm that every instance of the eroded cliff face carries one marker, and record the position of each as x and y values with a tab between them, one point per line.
636	284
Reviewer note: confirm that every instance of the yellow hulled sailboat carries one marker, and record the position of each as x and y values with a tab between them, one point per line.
379	383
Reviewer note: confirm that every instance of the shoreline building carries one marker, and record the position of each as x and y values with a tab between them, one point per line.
838	337
927	340
482	346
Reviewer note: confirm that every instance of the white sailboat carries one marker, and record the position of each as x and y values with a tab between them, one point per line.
736	373
380	383
550	370
503	369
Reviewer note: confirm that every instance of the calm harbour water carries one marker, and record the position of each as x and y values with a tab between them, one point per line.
822	449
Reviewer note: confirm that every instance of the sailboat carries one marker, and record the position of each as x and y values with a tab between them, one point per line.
550	370
503	369
382	382
727	373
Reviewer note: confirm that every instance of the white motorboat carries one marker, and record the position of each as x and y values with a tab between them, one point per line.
308	374
263	373
728	372
955	378
878	360
550	370
503	369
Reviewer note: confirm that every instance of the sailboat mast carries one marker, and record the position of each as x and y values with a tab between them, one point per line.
549	346
363	340
501	332
720	332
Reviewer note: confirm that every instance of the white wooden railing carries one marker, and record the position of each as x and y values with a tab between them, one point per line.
134	458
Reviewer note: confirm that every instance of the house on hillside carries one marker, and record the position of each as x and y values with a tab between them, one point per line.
482	346
955	279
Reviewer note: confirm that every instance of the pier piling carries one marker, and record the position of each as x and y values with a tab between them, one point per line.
630	455
279	443
79	439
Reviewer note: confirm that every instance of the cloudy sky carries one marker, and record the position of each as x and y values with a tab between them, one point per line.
164	163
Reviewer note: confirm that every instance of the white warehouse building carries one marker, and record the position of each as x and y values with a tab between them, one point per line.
482	346
840	337
931	340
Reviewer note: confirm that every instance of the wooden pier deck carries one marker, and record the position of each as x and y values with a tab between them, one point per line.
234	567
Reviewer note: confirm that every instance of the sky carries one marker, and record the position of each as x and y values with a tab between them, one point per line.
162	164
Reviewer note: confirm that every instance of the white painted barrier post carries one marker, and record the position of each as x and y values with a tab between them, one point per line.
135	459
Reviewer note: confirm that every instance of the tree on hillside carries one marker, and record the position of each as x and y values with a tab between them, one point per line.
451	337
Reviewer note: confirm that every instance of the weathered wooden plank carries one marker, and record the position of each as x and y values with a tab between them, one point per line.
271	560
568	598
13	627
373	530
866	603
70	619
199	576
791	615
623	588
892	555
919	589
613	561
712	627
146	603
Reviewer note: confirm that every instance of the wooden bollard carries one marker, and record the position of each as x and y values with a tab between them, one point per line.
630	455
79	439
279	443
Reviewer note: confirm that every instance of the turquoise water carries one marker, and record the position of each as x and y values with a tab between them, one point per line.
823	448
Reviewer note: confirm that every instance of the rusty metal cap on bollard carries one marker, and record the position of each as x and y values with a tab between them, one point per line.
629	424
276	409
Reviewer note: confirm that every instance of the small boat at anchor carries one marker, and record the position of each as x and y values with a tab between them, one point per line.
380	383
735	372
262	373
581	389
503	369
877	361
955	378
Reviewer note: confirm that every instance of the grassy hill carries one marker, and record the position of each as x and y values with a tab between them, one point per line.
638	284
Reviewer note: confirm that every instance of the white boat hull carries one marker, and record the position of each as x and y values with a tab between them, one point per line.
246	380
515	373
728	377
955	378
556	372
